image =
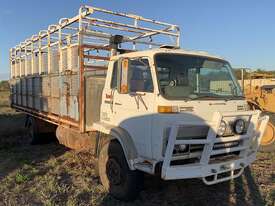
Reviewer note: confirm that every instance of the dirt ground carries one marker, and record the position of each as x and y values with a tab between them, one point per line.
50	174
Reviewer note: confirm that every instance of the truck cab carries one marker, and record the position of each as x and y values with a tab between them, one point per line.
184	112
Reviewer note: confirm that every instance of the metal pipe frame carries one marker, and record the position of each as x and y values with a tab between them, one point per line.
82	30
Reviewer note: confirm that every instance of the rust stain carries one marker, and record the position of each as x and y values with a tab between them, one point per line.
52	118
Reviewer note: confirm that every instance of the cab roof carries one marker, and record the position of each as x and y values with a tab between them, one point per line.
152	52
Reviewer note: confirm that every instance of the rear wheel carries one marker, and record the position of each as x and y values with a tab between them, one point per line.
115	175
40	131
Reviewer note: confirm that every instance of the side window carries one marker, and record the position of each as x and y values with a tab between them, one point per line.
114	77
140	78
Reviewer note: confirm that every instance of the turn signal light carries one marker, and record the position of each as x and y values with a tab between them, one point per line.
167	109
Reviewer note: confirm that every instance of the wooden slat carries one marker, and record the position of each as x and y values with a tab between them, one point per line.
91	67
96	57
96	47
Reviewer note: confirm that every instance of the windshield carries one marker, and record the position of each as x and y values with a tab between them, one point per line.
195	77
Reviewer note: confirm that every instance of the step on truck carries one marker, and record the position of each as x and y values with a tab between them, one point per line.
119	85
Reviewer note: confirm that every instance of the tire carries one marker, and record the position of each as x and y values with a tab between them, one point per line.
32	130
115	175
37	137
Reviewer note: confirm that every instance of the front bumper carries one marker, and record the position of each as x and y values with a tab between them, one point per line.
210	172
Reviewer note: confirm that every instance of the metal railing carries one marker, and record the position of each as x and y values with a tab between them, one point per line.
82	44
40	50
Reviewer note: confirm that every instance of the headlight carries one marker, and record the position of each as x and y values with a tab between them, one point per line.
239	126
181	148
222	128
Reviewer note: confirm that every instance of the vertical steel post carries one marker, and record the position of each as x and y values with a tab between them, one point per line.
81	76
49	51
60	49
39	54
32	57
242	70
20	64
26	58
11	60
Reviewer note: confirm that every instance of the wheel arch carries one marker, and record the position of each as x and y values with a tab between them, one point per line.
126	142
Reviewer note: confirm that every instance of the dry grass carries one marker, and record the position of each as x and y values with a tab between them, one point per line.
53	175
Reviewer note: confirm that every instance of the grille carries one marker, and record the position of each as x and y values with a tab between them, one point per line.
224	157
194	151
224	145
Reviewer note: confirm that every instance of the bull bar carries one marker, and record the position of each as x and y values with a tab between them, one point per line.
204	169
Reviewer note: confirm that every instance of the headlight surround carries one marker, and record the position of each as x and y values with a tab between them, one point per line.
239	126
222	128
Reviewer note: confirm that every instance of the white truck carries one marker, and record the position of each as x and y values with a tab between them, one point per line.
119	85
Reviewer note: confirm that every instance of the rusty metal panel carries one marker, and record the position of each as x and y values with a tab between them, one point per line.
74	89
18	86
22	67
24	100
69	105
35	64
19	99
94	89
37	86
54	82
37	103
44	104
30	85
30	101
44	62
53	105
73	108
24	86
64	99
18	92
13	99
46	86
63	63
29	65
13	91
72	56
63	106
17	68
54	60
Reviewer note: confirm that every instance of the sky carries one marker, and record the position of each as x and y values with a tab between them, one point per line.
243	32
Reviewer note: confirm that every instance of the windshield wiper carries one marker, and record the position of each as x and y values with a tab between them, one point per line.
233	97
226	98
203	96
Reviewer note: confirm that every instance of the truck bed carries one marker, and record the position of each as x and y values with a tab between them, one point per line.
55	97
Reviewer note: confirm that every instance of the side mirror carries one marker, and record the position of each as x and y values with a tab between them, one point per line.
123	80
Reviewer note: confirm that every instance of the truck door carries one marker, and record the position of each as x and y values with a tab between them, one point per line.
133	101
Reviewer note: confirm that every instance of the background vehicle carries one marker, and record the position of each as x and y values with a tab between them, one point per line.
113	87
259	90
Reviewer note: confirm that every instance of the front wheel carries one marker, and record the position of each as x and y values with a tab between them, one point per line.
115	175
